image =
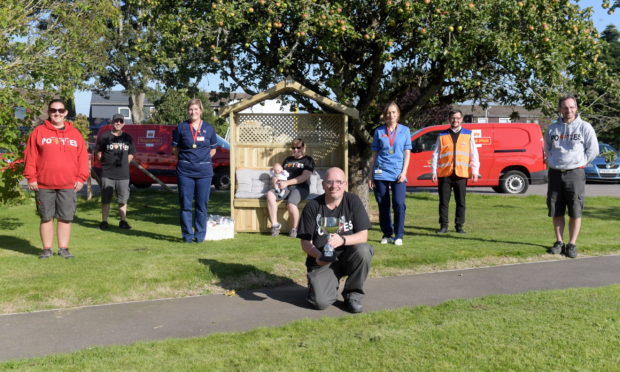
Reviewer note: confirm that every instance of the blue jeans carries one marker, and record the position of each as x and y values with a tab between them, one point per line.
382	195
194	191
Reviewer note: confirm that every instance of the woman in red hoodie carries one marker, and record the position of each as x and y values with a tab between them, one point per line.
56	168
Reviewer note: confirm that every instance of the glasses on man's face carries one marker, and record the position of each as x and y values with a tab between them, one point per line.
54	110
119	121
297	147
334	182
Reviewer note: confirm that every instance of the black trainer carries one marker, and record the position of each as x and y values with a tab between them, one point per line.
353	305
459	229
64	253
557	248
570	250
124	225
103	225
47	253
442	230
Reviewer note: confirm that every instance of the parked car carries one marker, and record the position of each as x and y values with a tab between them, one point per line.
154	153
604	168
511	156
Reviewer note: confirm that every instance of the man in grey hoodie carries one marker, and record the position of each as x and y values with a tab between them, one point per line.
570	144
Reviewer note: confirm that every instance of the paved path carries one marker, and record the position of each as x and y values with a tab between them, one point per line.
55	331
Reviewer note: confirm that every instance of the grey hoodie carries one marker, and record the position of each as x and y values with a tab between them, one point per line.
570	146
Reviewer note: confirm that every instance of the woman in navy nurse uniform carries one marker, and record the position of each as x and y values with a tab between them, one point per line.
391	147
195	143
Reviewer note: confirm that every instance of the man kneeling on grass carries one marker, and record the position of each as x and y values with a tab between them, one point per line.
352	253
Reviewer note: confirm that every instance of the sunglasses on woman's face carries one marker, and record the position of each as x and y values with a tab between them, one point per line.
60	111
119	121
297	147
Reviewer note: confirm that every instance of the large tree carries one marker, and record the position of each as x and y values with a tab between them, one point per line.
47	48
152	43
422	53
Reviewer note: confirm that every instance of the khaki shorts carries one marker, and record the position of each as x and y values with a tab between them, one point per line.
56	203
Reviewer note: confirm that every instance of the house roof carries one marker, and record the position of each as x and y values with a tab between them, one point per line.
500	111
289	86
113	98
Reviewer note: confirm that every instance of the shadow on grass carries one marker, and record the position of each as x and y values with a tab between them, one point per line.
234	276
432	232
11	243
91	224
10	223
157	206
609	213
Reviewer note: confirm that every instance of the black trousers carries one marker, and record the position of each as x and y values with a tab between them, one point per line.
445	187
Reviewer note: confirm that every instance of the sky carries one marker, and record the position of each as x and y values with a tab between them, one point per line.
600	18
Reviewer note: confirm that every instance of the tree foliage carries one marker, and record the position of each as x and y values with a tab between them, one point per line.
171	109
422	53
47	48
606	110
149	44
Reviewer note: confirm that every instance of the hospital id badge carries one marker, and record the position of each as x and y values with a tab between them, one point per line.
200	138
378	171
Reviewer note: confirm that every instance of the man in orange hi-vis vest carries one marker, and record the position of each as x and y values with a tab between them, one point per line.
455	159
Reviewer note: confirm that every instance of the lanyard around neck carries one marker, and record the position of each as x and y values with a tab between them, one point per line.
195	132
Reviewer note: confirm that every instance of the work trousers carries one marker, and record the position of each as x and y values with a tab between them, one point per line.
445	187
194	192
397	204
353	262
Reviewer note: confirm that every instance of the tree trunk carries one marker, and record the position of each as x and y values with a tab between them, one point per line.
136	104
359	172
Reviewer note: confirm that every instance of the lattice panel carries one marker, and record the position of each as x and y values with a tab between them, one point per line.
281	129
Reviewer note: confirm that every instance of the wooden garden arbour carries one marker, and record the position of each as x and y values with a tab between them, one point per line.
257	141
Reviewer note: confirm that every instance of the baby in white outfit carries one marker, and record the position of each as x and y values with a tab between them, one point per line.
278	173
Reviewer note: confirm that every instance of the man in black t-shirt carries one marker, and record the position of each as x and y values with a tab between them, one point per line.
115	149
351	249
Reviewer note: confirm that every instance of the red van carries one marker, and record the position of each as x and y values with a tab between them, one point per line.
511	156
154	153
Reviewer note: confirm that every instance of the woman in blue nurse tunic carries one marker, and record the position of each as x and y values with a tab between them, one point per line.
195	142
391	147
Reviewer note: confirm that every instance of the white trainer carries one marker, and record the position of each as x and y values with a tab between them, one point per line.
387	241
398	242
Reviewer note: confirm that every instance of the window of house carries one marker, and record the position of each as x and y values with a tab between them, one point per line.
125	111
504	120
483	120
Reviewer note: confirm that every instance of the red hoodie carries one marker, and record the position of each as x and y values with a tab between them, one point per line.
56	158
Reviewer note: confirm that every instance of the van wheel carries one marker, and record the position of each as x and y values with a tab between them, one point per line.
221	179
514	182
142	185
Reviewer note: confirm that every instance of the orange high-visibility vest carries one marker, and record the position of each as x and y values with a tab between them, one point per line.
454	160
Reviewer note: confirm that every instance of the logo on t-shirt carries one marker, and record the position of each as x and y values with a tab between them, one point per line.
59	140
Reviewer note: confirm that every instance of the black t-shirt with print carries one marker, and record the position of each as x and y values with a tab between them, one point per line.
351	214
295	167
114	155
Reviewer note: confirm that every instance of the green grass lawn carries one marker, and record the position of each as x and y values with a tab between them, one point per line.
150	261
565	330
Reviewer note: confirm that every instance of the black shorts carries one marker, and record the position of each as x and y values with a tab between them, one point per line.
294	195
566	189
